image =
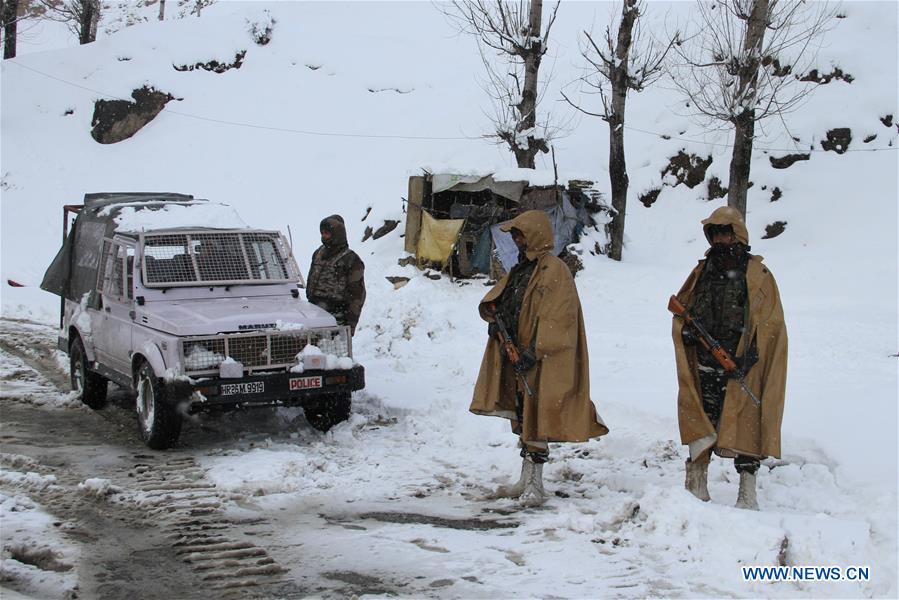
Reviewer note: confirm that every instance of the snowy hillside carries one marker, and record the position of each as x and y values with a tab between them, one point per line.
335	113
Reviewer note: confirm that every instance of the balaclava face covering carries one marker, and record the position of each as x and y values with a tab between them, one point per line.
729	257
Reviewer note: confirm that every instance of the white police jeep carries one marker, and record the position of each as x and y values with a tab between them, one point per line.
177	299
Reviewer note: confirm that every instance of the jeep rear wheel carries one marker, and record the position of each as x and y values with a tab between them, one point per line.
328	411
159	423
89	385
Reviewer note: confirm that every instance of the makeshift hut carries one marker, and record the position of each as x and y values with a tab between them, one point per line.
452	220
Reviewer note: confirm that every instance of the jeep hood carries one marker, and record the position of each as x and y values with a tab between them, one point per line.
209	316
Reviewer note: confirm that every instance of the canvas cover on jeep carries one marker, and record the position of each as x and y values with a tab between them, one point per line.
73	271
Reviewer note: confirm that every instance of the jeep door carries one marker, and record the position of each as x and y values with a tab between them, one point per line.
111	325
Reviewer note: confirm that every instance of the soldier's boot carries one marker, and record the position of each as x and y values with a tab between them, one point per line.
746	497
697	480
514	490
533	494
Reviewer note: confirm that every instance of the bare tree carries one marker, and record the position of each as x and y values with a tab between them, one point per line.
9	10
80	16
624	60
745	65
193	7
512	41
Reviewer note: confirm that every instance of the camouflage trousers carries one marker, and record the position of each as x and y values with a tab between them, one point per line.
337	310
538	451
712	386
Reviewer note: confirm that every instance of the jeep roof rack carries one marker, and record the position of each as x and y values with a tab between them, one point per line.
101	199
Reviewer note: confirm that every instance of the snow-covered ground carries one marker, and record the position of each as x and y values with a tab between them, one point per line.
34	551
619	522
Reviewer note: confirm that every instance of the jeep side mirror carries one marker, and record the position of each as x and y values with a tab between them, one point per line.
295	293
95	300
140	300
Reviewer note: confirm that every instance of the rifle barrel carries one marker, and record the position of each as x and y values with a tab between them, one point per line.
511	351
748	391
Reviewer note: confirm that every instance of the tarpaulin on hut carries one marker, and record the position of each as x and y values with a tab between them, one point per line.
437	238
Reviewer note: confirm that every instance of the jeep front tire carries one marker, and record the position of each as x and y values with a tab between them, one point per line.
157	419
90	386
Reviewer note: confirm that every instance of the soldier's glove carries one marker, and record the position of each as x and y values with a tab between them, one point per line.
493	330
526	362
737	373
745	362
688	337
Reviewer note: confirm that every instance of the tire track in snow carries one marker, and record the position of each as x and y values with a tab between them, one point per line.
34	343
176	495
167	492
172	494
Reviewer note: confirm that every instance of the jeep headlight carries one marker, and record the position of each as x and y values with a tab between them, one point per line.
203	355
334	342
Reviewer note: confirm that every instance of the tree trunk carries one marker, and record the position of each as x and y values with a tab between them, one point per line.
84	22
744	122
527	108
617	165
95	19
161	10
744	131
89	18
9	15
619	180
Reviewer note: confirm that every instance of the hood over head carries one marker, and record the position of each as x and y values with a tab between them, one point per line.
537	230
335	225
727	215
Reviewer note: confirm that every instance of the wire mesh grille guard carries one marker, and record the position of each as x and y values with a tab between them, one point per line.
216	257
260	351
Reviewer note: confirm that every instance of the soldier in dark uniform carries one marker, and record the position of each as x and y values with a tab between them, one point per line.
337	275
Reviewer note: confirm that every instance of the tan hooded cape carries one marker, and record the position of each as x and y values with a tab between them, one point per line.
551	321
744	427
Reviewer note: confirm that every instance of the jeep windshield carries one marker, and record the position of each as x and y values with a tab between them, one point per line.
187	258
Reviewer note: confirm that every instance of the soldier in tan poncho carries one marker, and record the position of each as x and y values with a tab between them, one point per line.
541	308
735	297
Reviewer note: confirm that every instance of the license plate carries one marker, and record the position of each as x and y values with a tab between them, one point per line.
233	389
305	383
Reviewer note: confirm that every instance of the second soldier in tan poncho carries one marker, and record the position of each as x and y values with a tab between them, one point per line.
540	306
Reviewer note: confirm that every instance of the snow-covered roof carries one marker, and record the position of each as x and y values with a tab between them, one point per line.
135	217
446	178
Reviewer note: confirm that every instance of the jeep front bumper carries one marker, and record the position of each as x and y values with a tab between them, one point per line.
266	389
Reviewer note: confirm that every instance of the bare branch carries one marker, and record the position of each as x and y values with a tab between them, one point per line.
744	64
512	39
792	31
625	54
603	115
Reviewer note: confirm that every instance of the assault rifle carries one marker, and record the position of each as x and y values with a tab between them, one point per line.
711	345
509	348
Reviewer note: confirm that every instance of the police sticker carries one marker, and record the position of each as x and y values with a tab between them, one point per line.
305	383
